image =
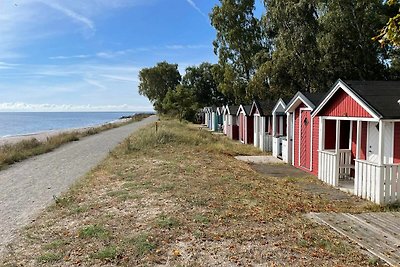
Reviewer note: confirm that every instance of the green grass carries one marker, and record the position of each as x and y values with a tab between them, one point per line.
94	231
142	244
107	253
167	222
49	257
55	244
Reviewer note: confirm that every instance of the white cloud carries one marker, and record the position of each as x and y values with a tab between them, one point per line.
70	57
21	106
72	14
193	4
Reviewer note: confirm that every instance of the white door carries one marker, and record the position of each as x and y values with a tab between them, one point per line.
373	142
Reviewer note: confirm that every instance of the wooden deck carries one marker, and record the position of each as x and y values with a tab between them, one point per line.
379	232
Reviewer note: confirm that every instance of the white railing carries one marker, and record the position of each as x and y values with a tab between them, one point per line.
285	150
391	182
328	168
378	183
267	142
333	166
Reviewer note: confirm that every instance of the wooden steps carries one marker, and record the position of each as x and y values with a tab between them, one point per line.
379	232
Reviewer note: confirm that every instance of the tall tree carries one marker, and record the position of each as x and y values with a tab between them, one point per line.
292	26
155	82
239	38
200	80
390	33
180	102
345	39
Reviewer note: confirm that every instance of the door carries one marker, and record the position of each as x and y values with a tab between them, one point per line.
305	138
373	142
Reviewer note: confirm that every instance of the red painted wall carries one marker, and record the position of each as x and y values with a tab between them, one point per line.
396	152
315	143
342	105
250	130
310	148
296	138
330	134
305	138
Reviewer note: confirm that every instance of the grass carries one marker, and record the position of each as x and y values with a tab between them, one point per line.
49	257
93	231
198	206
109	252
12	153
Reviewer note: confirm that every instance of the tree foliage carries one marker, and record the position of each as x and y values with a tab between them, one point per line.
345	39
155	82
292	26
200	80
180	102
390	33
239	38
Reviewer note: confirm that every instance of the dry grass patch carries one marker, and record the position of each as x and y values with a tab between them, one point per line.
195	206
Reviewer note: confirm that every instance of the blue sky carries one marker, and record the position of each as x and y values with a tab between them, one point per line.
75	55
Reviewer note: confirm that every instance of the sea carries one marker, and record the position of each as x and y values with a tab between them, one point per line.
25	123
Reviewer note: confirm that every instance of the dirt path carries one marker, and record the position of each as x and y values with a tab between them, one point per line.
28	187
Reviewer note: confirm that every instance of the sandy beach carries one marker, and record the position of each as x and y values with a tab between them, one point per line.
42	136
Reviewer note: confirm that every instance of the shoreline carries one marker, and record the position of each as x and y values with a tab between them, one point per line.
42	136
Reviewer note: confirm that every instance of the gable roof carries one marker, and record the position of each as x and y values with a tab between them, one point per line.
280	103
378	98
245	108
231	110
382	96
264	107
311	100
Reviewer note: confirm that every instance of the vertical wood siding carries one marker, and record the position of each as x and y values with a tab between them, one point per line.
396	151
330	134
315	142
342	105
250	130
305	139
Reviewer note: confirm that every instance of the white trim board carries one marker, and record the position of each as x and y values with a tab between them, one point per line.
342	85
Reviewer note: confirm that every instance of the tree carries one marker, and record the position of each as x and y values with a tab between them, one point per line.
390	33
345	39
292	27
180	102
157	81
200	80
239	38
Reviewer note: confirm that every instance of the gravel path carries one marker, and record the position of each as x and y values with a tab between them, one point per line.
26	188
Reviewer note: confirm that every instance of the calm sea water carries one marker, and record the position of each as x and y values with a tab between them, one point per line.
21	123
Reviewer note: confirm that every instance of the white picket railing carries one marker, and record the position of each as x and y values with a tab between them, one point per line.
328	168
333	166
391	183
285	150
267	142
378	183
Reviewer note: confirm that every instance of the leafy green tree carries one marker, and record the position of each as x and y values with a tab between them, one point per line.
390	33
180	102
157	81
200	80
345	39
292	27
239	38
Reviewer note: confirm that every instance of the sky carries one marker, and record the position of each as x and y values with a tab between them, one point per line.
85	55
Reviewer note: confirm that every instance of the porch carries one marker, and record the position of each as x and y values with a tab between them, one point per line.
357	155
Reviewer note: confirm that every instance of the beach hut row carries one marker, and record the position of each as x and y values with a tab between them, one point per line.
348	137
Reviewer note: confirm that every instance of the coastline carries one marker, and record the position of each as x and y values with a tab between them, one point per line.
42	136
